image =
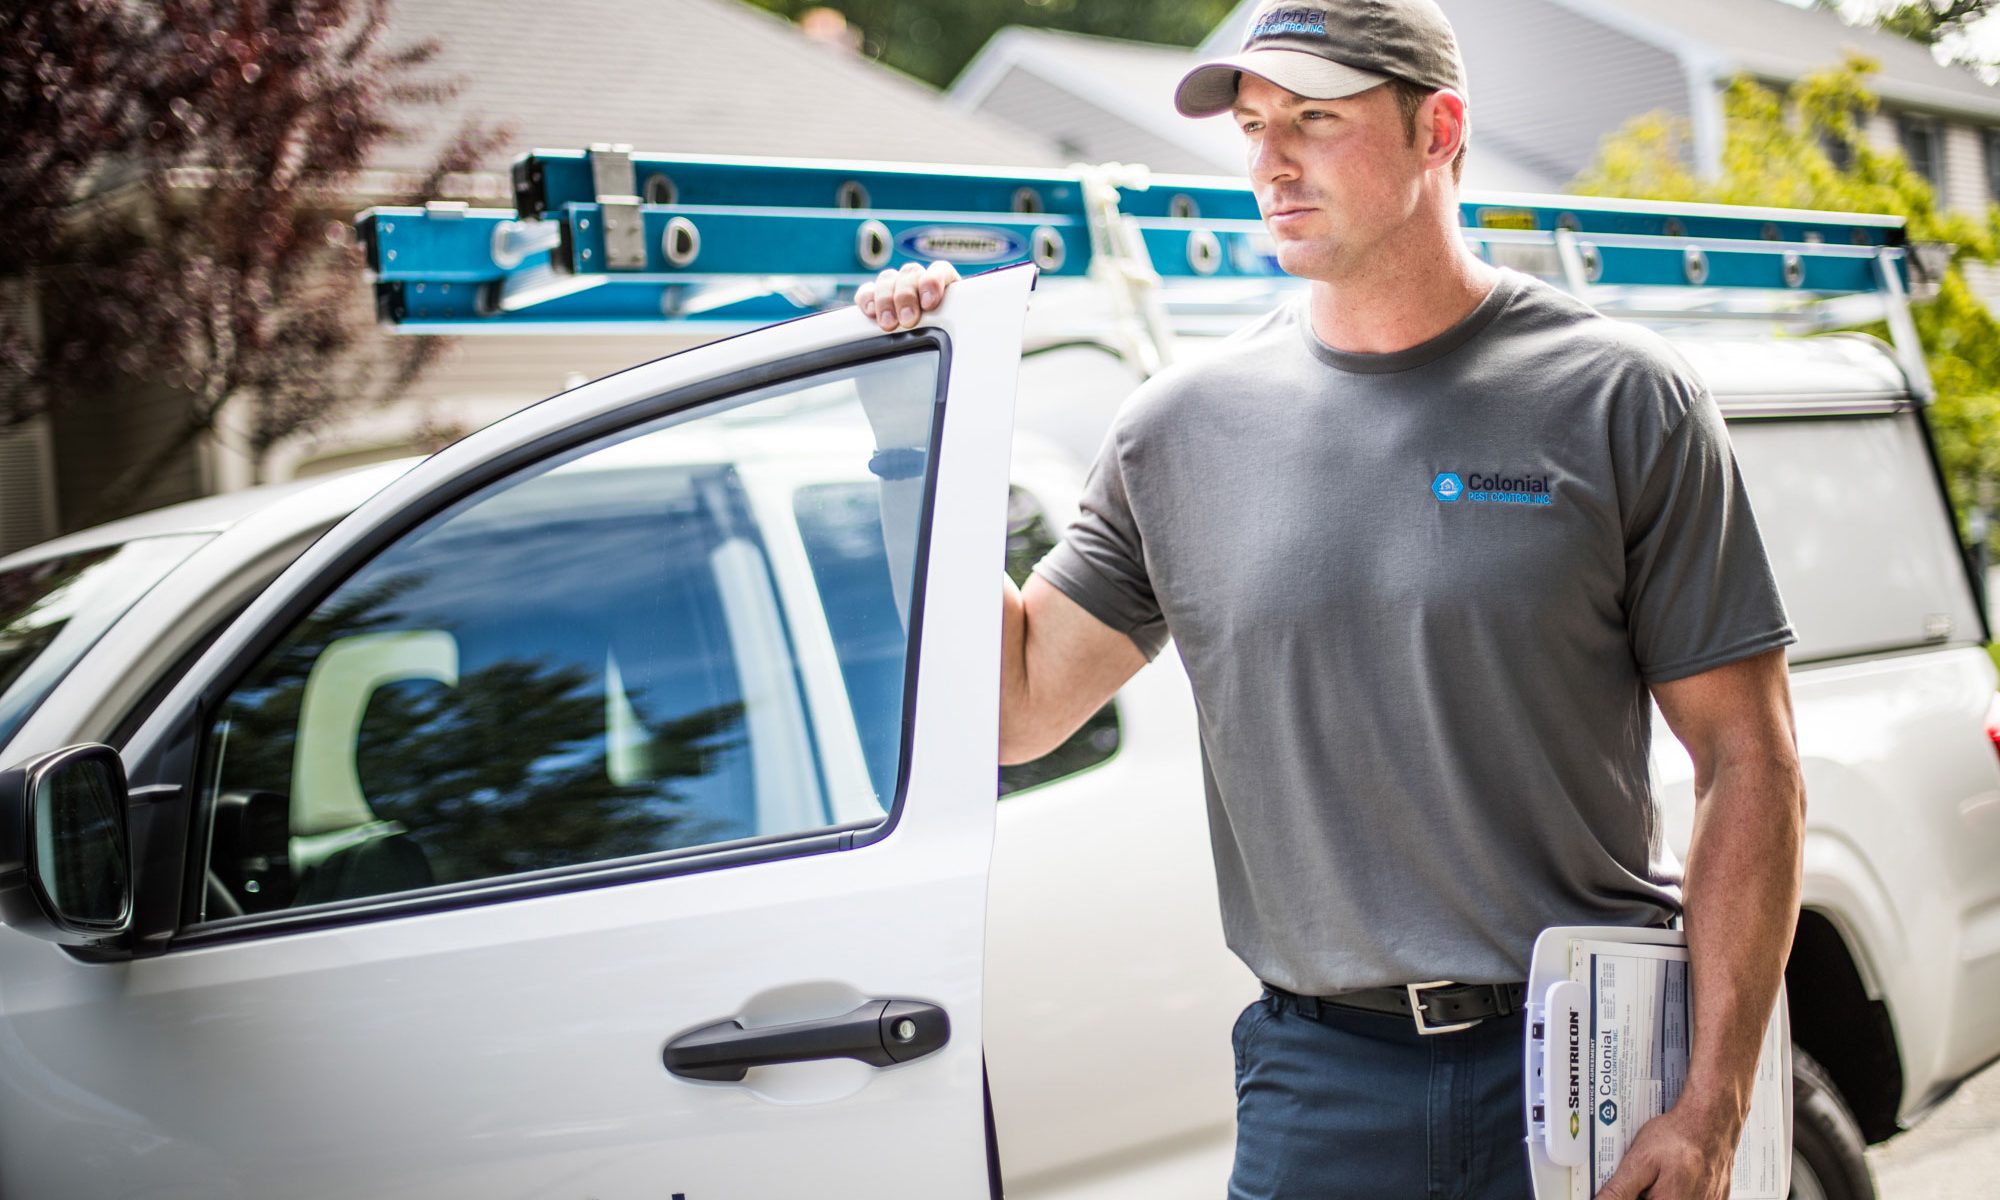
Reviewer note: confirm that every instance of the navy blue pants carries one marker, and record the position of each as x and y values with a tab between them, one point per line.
1357	1104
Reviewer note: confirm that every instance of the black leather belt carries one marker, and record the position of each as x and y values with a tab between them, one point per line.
1438	1007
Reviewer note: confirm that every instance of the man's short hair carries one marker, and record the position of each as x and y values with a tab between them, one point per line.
1409	98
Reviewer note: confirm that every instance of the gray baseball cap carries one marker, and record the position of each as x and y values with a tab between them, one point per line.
1327	49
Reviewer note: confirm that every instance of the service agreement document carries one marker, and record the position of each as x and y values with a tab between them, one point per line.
1640	1027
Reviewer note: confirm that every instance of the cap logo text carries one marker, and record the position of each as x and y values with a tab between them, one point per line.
1290	22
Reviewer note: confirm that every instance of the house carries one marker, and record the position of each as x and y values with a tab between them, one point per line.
680	76
1554	77
1108	100
1550	79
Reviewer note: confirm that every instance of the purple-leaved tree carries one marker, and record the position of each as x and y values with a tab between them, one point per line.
178	177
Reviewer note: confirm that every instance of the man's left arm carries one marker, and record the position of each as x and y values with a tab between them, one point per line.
1742	896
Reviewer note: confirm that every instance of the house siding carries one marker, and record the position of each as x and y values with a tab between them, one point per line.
1984	280
679	76
1547	86
1882	132
27	493
27	501
98	438
1081	129
1965	186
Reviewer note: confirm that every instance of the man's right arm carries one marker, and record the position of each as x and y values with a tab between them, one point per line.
1058	665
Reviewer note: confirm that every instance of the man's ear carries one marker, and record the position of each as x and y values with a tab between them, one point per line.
1444	119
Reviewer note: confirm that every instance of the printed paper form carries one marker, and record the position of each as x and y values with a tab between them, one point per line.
1640	1035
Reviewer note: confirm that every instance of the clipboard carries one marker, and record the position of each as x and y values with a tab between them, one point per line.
1610	1020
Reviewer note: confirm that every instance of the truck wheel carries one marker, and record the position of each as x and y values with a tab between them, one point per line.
1827	1159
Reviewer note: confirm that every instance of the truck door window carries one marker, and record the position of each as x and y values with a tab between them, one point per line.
594	659
842	530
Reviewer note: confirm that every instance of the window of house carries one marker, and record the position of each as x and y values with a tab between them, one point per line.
1992	144
1839	147
1920	139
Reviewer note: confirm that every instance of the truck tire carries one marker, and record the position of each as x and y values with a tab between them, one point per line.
1827	1158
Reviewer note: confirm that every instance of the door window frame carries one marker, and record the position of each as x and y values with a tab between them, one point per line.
185	749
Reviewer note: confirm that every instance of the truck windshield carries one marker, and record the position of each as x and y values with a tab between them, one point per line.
54	610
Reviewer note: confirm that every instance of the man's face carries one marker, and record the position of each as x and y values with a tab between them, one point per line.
1334	179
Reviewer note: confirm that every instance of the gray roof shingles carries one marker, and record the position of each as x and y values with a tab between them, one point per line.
1776	40
1134	80
683	76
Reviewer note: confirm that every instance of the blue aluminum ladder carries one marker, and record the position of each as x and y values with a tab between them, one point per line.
608	239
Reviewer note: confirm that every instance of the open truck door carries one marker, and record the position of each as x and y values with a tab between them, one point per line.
604	809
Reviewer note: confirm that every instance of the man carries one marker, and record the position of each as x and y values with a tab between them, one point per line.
1424	713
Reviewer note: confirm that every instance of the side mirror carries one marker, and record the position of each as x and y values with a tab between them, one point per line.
65	852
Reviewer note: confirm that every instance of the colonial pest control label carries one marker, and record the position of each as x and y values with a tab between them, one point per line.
1639	1015
1638	1048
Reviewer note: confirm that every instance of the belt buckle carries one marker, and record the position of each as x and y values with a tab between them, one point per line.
1417	1008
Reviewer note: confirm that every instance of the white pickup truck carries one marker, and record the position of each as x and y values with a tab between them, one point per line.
604	807
1898	945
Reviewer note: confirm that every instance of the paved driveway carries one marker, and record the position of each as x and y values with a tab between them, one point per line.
1953	1155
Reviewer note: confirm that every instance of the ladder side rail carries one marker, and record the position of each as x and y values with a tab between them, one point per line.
547	180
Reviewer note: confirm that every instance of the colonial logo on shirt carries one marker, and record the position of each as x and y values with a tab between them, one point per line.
1494	488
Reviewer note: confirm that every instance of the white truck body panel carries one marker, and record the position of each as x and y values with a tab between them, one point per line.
1108	992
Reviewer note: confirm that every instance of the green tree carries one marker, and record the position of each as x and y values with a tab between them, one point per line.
934	39
1805	148
1943	25
1931	21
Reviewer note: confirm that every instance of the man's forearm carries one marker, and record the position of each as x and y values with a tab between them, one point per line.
1013	673
1058	664
1742	896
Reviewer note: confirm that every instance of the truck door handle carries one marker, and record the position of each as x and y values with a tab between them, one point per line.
881	1033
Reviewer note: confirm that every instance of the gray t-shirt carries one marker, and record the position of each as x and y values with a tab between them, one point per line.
1420	596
